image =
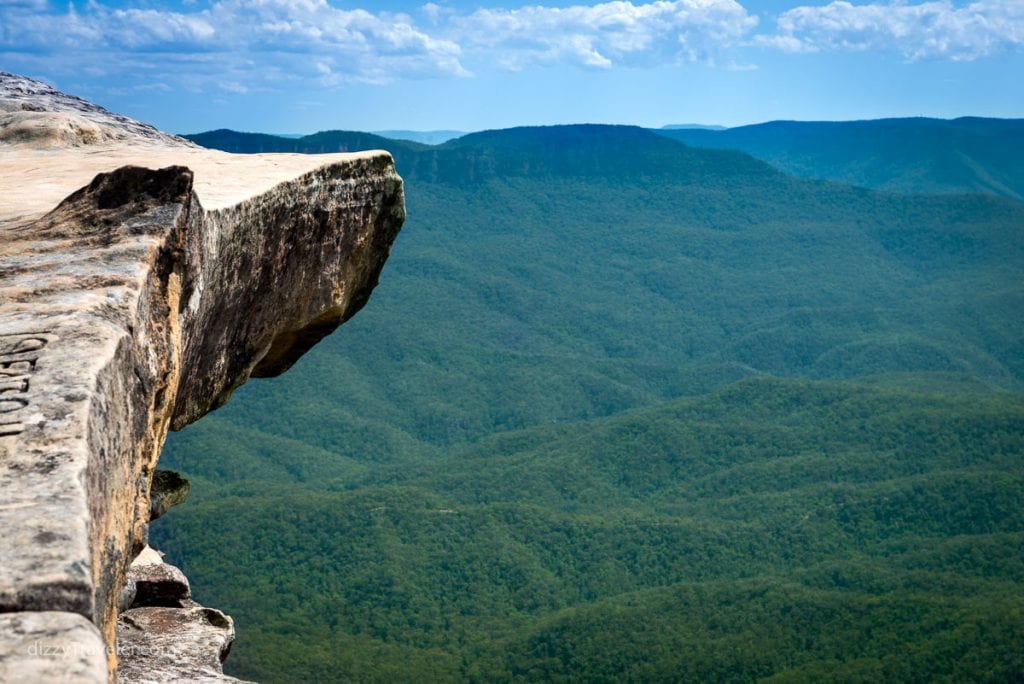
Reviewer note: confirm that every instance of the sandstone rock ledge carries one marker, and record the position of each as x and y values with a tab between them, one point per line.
164	636
135	306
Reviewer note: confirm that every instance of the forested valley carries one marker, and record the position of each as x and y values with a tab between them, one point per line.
625	409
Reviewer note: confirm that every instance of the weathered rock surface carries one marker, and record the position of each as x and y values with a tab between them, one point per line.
34	113
51	647
165	636
167	490
140	303
174	645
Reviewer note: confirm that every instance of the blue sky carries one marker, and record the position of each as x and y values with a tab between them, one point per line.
295	66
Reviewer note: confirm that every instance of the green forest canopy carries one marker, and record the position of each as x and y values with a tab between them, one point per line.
626	409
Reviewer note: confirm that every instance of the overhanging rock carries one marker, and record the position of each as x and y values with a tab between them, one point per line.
131	308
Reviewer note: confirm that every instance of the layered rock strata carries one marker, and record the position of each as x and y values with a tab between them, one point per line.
165	636
165	278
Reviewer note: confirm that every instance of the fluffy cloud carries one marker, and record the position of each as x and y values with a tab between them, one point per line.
240	45
249	42
928	30
245	40
605	34
37	5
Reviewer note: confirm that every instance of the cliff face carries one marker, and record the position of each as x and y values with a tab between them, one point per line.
130	309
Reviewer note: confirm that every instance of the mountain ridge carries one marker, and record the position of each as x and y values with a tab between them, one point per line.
597	149
917	154
836	154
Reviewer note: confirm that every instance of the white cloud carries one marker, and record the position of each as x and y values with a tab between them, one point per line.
436	13
928	30
605	34
134	28
246	45
254	40
233	44
233	87
36	5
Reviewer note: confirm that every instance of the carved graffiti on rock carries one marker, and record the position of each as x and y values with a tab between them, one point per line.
19	354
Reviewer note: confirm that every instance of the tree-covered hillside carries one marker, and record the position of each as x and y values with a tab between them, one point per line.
623	409
776	528
969	154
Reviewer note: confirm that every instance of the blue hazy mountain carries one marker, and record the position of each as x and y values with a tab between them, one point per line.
969	154
427	137
705	127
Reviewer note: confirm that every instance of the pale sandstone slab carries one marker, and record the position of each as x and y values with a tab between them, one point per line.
52	143
51	647
221	179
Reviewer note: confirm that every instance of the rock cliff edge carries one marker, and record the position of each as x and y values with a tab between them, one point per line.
142	280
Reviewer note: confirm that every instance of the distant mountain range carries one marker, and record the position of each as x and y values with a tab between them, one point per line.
628	409
428	137
905	155
704	127
969	154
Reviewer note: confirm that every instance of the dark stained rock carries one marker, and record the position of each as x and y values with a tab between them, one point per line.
168	489
157	583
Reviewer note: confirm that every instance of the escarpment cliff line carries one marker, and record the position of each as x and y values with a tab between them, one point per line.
165	278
